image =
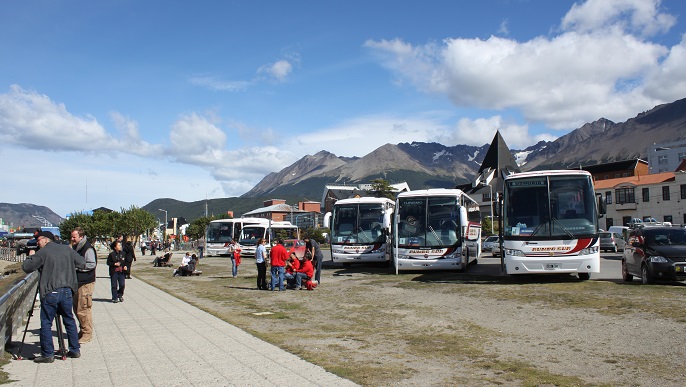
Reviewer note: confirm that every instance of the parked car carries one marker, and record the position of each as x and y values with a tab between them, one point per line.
295	245
488	243
496	250
655	253
611	241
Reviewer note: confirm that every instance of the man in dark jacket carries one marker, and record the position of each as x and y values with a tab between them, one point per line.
83	299
317	256
57	265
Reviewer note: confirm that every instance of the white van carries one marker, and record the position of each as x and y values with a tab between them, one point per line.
621	230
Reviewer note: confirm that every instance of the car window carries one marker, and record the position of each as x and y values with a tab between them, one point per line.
604	234
491	239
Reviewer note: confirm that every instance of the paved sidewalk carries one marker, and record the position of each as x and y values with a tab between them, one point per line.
154	339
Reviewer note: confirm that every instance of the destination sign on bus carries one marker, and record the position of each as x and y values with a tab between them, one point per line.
528	183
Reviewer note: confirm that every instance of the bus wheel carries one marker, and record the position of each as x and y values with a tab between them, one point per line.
584	276
347	264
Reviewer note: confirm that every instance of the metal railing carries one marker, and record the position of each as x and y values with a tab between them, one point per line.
10	254
15	304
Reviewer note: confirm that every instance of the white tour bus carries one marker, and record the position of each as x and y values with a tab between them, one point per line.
220	232
360	230
436	229
550	223
267	229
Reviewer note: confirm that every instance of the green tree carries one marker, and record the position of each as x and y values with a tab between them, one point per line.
134	222
382	189
196	229
315	233
84	221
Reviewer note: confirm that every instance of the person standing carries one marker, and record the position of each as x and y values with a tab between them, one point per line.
316	252
130	256
57	266
261	262
201	247
117	263
278	256
235	251
143	247
83	299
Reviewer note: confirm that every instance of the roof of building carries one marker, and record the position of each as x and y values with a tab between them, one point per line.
653	178
273	208
614	166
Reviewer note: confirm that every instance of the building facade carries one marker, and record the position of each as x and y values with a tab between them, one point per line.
667	156
658	196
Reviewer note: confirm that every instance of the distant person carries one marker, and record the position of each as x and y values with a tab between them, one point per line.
278	256
188	268
184	262
83	299
143	247
201	248
130	254
117	263
316	252
305	272
292	266
235	251
57	285
261	262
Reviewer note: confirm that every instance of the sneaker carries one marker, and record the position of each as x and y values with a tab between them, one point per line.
74	355
43	359
115	301
121	299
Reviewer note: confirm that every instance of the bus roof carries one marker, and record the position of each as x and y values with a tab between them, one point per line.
433	192
242	220
555	172
365	199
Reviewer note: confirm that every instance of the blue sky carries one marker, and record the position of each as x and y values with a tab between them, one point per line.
117	103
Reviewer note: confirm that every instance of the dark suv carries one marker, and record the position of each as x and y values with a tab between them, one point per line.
655	253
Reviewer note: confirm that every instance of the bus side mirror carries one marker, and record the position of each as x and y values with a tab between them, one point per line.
327	219
464	220
387	219
602	206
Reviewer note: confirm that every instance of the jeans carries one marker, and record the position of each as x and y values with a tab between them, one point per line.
299	278
117	280
234	267
277	277
57	302
200	250
290	279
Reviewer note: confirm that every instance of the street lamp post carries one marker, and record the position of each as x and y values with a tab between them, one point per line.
164	236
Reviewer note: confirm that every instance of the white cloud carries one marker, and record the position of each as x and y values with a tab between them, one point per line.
278	70
213	83
596	67
642	17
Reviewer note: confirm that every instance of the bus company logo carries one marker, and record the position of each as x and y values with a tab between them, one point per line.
551	249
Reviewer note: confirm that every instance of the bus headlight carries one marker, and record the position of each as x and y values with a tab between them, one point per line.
514	253
338	251
589	250
403	256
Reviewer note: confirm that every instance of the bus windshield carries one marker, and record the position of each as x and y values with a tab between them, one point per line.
219	232
250	234
556	207
428	222
358	223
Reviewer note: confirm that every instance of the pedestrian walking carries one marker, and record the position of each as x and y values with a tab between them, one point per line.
117	263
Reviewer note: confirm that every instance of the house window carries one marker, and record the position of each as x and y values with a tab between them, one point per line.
668	218
486	197
662	159
624	195
626	220
617	175
625	174
682	155
608	197
646	194
683	191
607	177
665	193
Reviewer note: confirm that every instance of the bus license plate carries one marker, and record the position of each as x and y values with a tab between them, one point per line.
550	266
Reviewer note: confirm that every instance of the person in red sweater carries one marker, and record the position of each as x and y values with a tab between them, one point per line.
292	266
279	256
306	272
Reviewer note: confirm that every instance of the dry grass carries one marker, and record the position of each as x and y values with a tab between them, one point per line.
361	325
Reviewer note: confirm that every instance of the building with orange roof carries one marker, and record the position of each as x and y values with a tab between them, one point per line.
661	196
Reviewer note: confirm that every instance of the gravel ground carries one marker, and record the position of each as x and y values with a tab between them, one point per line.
432	329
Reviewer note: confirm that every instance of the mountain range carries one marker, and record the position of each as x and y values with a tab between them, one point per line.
422	165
